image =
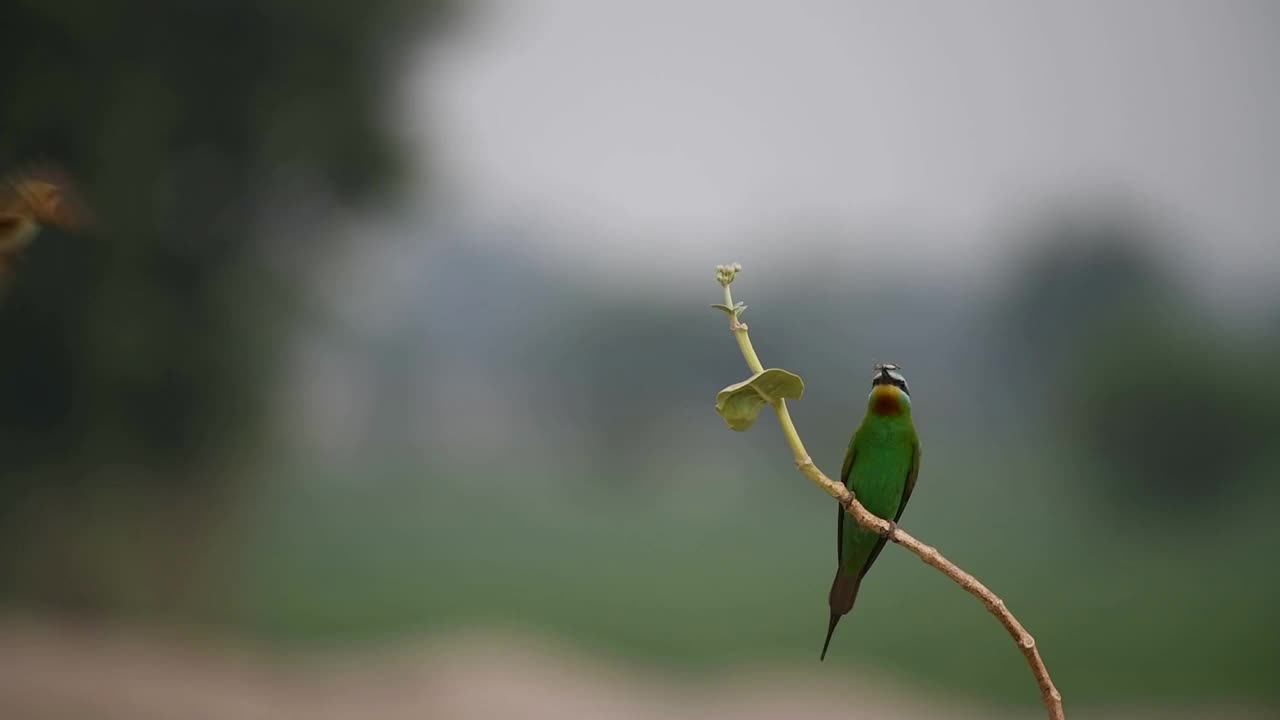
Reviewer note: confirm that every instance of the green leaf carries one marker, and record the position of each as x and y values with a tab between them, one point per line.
733	312
740	404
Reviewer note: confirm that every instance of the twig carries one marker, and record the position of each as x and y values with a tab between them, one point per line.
1049	694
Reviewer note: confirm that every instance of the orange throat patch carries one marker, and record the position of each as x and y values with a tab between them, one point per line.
885	400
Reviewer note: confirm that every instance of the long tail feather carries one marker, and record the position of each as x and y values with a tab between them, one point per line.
844	590
831	629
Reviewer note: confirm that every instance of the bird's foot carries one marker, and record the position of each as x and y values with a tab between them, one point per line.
893	529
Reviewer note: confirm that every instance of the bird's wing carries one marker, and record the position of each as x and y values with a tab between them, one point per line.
902	504
844	478
46	193
911	480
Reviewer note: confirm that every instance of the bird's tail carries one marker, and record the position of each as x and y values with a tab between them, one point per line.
844	590
831	628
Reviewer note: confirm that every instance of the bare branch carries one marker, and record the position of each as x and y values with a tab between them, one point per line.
1049	694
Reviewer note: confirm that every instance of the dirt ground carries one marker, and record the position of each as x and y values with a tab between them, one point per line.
54	671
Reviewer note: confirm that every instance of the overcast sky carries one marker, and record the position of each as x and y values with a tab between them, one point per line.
677	126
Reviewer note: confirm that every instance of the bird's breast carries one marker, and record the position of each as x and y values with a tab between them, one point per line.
886	401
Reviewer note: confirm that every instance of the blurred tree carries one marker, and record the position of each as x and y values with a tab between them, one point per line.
1127	369
1170	419
1086	267
205	135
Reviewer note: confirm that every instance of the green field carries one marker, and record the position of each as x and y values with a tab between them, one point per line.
715	571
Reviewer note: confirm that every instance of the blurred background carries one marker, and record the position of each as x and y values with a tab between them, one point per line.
384	384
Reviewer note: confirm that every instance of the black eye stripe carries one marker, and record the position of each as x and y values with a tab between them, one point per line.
897	382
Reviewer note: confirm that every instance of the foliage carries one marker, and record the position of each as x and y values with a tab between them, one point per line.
1168	409
1171	420
740	403
205	136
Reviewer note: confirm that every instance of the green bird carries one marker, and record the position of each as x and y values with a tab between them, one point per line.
880	468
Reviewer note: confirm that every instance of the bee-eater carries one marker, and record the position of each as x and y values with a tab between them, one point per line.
26	204
880	469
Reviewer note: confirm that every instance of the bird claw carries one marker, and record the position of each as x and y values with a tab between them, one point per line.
893	528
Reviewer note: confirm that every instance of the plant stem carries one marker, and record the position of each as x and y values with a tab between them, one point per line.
1049	694
740	332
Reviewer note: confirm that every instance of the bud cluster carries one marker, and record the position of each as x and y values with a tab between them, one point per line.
726	273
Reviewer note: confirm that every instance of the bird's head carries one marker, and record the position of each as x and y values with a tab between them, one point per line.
889	392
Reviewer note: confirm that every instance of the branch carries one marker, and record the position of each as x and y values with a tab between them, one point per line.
1049	694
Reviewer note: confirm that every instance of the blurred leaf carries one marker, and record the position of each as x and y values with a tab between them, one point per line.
740	404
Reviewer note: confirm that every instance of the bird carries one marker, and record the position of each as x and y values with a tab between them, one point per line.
27	202
880	469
